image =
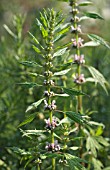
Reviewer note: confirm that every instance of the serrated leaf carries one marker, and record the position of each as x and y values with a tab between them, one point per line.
91	44
99	40
30	63
28	120
63	72
74	162
85	3
72	92
34	105
9	31
93	15
60	52
98	77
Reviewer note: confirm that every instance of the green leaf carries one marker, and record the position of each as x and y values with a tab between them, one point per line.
28	120
42	29
33	168
74	162
63	0
102	141
9	31
35	40
20	151
30	63
97	164
37	50
29	84
92	145
74	148
107	168
33	132
62	95
34	105
99	40
60	73
72	92
98	77
60	52
91	44
93	15
85	3
75	117
66	120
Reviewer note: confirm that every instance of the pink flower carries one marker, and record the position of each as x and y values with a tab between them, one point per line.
77	44
79	59
79	79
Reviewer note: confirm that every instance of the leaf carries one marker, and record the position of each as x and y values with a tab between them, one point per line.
74	148
9	31
35	40
85	3
60	52
63	0
20	151
74	162
102	141
60	73
92	145
42	29
97	164
91	44
28	120
99	40
36	49
30	63
34	105
66	120
62	95
33	132
93	15
29	84
33	168
75	117
72	92
98	77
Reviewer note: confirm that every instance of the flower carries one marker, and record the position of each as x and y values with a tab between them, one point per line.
77	44
51	125
54	147
79	59
79	79
51	106
75	30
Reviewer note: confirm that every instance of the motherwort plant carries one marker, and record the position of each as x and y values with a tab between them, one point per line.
65	139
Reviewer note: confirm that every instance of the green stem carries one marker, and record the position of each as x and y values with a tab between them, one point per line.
38	167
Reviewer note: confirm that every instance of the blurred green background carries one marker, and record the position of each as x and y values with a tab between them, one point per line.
14	99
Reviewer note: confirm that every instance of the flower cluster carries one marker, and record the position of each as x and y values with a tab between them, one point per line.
54	147
51	106
48	94
51	125
76	30
49	82
79	59
77	44
79	79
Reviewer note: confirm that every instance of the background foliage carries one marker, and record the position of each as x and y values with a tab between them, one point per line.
15	48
